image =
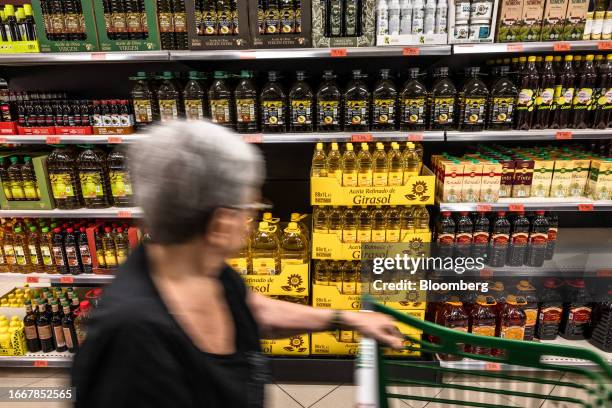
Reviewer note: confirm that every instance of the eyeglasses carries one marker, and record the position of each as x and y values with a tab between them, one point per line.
252	206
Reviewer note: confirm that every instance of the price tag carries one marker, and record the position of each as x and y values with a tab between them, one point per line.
585	207
604	45
3	140
255	138
362	138
124	214
492	366
563	135
247	55
483	207
562	46
516	207
518	47
66	279
338	52
115	140
415	137
486	273
98	56
53	140
604	273
41	363
32	279
411	51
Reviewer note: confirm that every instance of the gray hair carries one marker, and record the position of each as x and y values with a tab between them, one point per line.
185	170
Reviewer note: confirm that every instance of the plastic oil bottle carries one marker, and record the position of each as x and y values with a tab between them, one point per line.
16	179
545	97
34	252
30	183
46	250
334	163
393	221
92	175
120	180
245	98
65	186
144	102
194	97
601	115
583	97
320	220
413	103
273	105
528	86
122	246
421	219
335	221
20	245
364	166
379	225
108	247
357	103
396	166
380	166
364	224
384	97
293	246
328	116
264	250
349	167
6	184
503	101
219	100
84	251
483	321
349	225
72	252
406	223
564	94
319	162
444	97
411	163
168	98
321	273
301	101
453	315
474	95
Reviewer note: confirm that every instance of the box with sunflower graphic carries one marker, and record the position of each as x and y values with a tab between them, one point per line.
291	281
28	195
294	346
417	190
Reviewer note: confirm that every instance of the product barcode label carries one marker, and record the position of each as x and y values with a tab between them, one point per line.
362	138
338	52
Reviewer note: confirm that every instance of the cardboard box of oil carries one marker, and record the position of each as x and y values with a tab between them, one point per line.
507	177
580	176
332	297
296	346
510	20
491	180
542	177
531	28
472	181
599	186
451	180
575	19
554	19
523	177
562	177
291	281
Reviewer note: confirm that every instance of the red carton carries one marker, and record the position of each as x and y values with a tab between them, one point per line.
41	130
73	130
8	128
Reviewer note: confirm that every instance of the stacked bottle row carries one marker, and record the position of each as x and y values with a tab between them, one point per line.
220	17
387	166
172	18
371	224
89	177
273	245
14	298
346	276
112	245
279	17
397	17
342	18
49	327
19	182
500	241
8	330
17	24
64	21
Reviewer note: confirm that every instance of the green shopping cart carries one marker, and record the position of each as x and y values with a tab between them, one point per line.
518	362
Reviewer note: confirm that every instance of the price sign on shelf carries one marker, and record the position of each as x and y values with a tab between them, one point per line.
411	51
53	140
604	45
415	137
604	273
124	214
362	138
254	138
585	207
66	279
338	52
562	46
516	207
563	135
3	140
486	273
32	279
115	140
518	47
41	363
98	56
483	207
492	367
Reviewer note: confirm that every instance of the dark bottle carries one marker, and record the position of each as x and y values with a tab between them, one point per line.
553	228
528	292
301	101
545	97
601	328
564	94
483	321
445	235
61	166
194	97
235	17
384	103
219	100
59	253
273	104
134	20
164	18
245	97
73	19
286	17
84	251
443	101
576	317
528	87
550	310
464	235
480	241
503	102
50	116
209	24
334	13
68	329
328	104
179	20
120	179
29	323
271	17
357	103
512	319
601	116
583	98
224	17
146	108
453	316
352	18
519	237
43	326
498	246
413	103
538	238
72	252
474	95
10	22
118	20
168	97
93	174
58	332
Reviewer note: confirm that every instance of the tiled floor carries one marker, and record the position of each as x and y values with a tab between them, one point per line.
337	395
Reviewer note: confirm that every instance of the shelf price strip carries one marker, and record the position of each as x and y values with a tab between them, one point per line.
562	46
41	363
53	140
415	137
483	207
362	138
563	135
338	52
585	207
516	207
411	51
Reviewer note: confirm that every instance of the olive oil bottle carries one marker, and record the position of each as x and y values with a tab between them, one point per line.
545	98
93	172
357	103
528	88
503	101
583	97
413	98
273	103
301	101
219	100
329	104
384	101
474	95
245	98
564	94
601	117
443	100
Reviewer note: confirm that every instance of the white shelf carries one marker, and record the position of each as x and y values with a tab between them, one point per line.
532	204
525	135
70	139
547	46
113	212
38	360
45	278
82	57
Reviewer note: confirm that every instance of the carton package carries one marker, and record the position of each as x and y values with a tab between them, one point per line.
323	26
523	177
472	181
542	177
217	30
280	28
507	178
44	192
533	13
562	178
580	176
554	20
599	185
575	20
491	180
451	180
510	20
472	22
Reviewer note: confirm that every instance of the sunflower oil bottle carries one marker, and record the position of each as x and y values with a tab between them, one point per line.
411	162
264	250
9	249
421	219
293	246
349	167
241	262
379	225
298	218
109	249
380	166
272	221
319	162
335	221
393	221
349	278
46	250
20	243
334	163
321	273
364	166
30	184
93	178
394	158
349	225
320	220
122	245
364	224
36	262
16	179
406	223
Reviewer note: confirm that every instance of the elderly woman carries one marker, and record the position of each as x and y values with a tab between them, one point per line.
178	328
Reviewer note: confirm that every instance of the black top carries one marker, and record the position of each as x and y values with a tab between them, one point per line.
136	355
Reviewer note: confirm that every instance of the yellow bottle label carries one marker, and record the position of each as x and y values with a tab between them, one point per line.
337	232
349	288
17	190
346	336
47	258
91	184
20	255
121	255
240	265
395	178
349	179
61	185
168	110
245	110
33	254
101	260
393	235
286	262
484	330
364	179
337	174
6	186
349	235
364	235
120	184
143	113
110	258
9	253
264	266
531	317
512	332
379	235
380	179
194	109
404	233
29	189
220	111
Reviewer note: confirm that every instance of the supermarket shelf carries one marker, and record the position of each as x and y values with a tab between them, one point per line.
531	204
112	212
82	57
547	46
40	359
525	135
70	139
344	137
44	278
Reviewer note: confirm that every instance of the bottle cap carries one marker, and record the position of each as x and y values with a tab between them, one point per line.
380	146
349	147
548	58
577	57
84	306
292	227
264	226
9	10
334	146
557	58
13	159
463	213
220	75
552	283
524	285
32	228
18	229
598	57
501	213
532	58
486	300
609	57
27	8
590	57
395	146
446	213
107	229
365	146
539	58
523	59
319	146
540	212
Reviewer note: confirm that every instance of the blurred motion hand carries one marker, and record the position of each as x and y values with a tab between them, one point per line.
377	326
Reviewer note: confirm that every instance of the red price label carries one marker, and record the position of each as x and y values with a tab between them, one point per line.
604	273
338	52
124	214
486	273
3	140
411	51
362	138
32	279
516	207
492	366
604	45
562	46
66	279
115	140
518	47
98	56
415	137
585	207
247	55
483	207
41	363
256	138
563	135
53	140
